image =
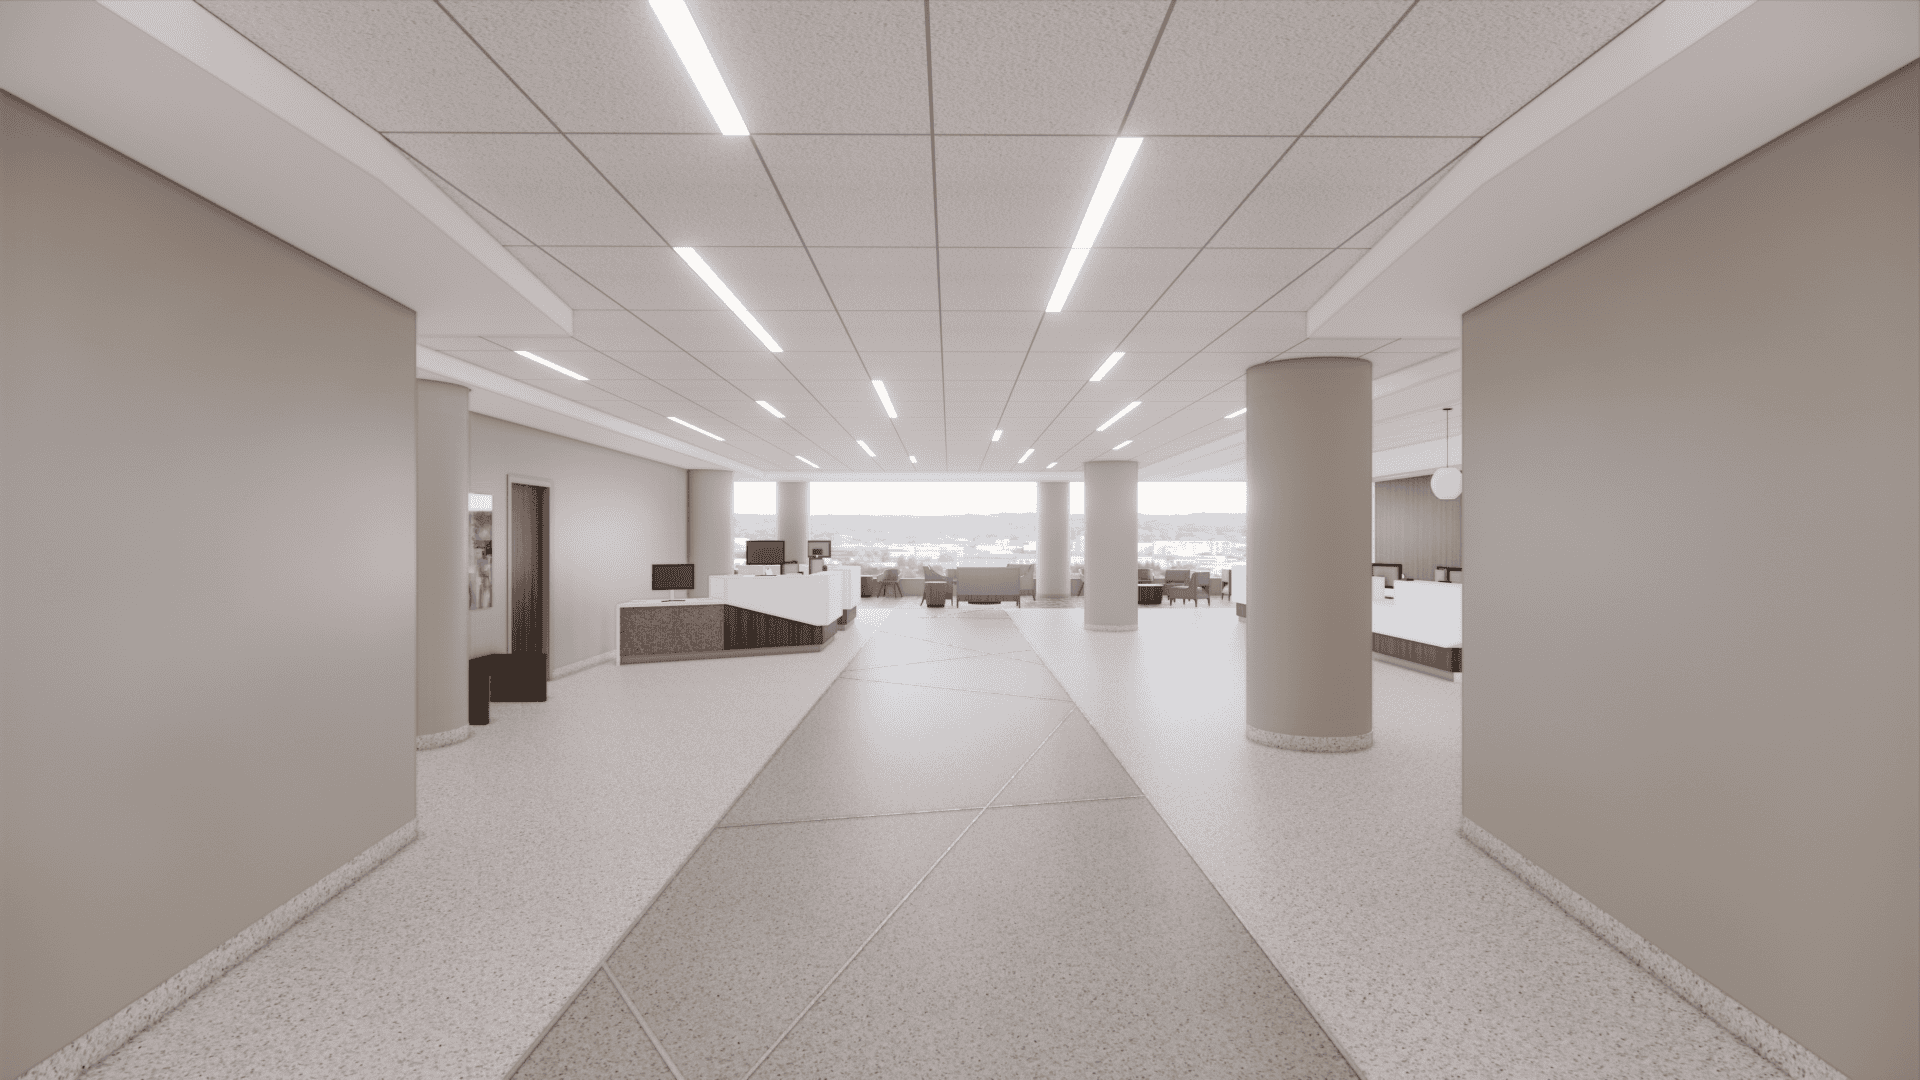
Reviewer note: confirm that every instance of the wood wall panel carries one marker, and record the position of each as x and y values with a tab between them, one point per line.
1415	529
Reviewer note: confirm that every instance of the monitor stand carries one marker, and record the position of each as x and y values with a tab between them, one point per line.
673	595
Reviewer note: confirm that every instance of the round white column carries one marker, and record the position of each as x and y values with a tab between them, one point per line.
709	525
1113	545
1050	570
1309	520
791	506
440	563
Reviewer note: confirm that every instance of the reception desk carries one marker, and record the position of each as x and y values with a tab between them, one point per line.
742	615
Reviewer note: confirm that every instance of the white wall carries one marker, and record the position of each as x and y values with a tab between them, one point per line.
610	518
207	564
1694	615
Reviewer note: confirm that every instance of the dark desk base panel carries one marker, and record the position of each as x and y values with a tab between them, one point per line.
1417	652
737	631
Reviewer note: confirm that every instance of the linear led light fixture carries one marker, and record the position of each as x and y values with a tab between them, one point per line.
1231	415
881	389
1115	418
798	457
1108	189
726	296
911	460
1106	367
997	433
697	428
1025	456
778	415
1124	445
551	364
678	22
864	446
1052	464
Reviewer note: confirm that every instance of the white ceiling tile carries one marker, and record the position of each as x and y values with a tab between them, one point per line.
1016	192
1326	190
642	278
696	190
975	366
662	365
1023	409
639	391
837	365
1150	365
1461	67
483	217
1234	68
827	65
1379	226
1115	392
617	330
876	279
1420	345
1172	390
399	66
591	65
1084	331
855	190
831	390
1180	190
574	290
1314	283
998	279
978	389
1264	331
1126	279
735	367
572	389
538	184
1339	346
1237	279
984	409
988	331
1225	365
1386	363
1177	331
894	331
806	331
704	389
769	279
699	331
1038	66
916	390
1067	365
1048	390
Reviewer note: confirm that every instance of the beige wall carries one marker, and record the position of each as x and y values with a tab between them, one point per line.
207	559
1415	528
1693	613
611	517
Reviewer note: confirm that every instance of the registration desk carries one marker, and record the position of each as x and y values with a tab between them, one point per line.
742	615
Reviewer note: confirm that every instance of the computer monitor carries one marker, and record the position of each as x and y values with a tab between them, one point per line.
766	552
819	549
674	575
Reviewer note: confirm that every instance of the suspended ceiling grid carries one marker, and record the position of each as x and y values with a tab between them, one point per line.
915	176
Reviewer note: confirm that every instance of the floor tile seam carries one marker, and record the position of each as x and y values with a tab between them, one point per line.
850	817
953	689
1228	904
645	1027
1065	802
621	939
922	880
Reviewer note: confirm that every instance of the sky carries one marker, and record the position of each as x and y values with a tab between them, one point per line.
928	498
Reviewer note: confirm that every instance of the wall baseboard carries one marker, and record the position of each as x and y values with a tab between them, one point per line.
120	1028
581	665
442	738
1763	1038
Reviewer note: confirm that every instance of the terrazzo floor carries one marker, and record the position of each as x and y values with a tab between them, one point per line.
957	843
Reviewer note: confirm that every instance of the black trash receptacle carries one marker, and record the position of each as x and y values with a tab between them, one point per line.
504	677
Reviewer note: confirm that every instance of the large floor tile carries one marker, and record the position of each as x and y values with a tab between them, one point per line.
1074	764
1074	940
596	1038
889	650
980	674
875	748
758	922
983	631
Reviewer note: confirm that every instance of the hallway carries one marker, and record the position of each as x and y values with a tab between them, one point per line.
942	873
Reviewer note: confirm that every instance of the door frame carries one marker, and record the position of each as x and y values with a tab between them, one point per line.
546	565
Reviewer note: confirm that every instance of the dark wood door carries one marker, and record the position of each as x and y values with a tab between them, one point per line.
528	611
